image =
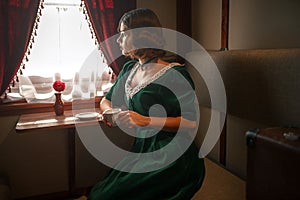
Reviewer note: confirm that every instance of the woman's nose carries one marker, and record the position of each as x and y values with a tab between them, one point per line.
119	39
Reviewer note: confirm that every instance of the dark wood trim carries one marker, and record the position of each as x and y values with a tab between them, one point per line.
53	196
225	25
223	141
72	161
183	25
184	16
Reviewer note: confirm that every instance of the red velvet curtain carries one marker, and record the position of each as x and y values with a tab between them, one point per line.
104	16
17	19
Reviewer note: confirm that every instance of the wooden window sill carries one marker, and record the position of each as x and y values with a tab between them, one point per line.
18	108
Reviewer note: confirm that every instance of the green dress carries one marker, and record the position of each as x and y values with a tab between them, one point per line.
162	179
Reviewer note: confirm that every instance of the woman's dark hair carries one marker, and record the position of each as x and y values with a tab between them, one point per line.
143	37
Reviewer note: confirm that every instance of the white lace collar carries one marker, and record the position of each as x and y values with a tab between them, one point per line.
130	92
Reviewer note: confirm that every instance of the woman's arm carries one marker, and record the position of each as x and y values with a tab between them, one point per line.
132	119
172	123
105	104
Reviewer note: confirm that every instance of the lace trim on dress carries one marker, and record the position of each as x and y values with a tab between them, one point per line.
130	92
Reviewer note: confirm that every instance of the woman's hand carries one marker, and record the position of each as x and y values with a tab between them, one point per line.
131	119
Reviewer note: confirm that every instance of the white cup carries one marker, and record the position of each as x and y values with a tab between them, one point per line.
111	115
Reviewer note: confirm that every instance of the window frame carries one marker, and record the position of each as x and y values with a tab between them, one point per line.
22	107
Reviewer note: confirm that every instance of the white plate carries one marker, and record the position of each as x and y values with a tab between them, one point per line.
87	115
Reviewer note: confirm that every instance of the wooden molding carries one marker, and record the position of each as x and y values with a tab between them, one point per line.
183	25
223	141
184	16
225	25
22	107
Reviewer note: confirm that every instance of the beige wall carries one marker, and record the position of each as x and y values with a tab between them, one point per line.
256	24
206	23
165	9
253	24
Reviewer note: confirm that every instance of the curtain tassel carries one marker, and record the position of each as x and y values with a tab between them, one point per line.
30	45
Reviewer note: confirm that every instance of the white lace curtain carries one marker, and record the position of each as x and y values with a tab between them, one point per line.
73	57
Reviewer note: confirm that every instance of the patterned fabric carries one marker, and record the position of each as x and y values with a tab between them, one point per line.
132	91
18	20
104	16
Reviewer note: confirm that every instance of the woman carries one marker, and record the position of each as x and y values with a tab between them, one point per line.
143	84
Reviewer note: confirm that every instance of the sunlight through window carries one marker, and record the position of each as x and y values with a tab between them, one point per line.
63	49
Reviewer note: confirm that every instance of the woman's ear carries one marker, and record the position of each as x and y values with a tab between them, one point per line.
147	38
